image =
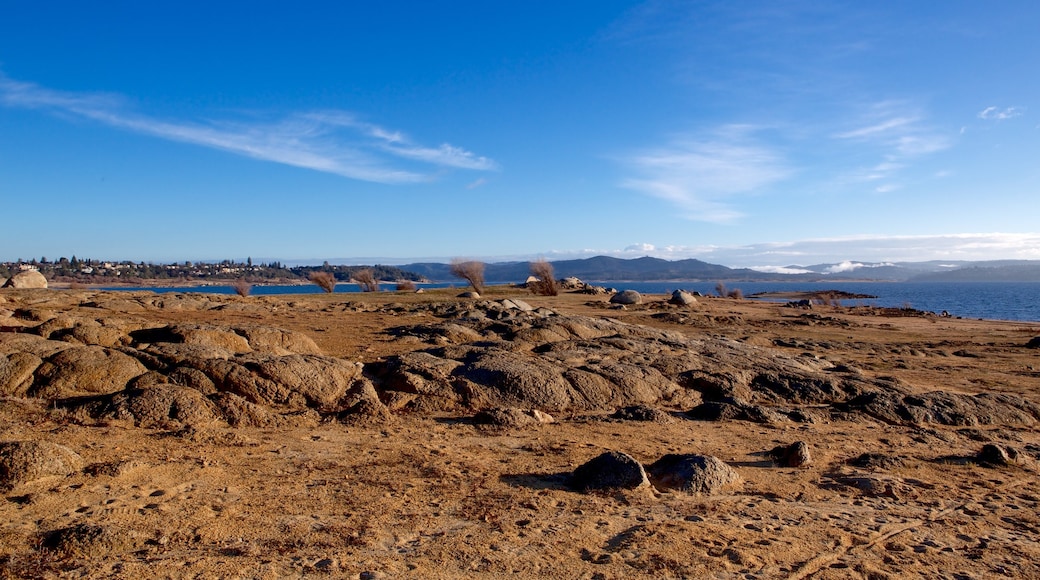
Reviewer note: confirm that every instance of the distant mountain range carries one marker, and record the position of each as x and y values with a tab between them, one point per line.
605	268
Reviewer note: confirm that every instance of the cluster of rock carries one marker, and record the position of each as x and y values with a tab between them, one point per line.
494	355
482	354
690	473
182	374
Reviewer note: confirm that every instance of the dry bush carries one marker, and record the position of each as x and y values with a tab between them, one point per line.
366	280
736	294
471	271
325	280
406	286
546	284
241	287
720	289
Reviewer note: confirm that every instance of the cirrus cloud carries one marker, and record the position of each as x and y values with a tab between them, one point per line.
701	173
334	142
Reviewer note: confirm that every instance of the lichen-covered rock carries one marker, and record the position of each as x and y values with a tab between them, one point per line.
27	461
88	541
157	406
627	297
16	373
277	341
84	370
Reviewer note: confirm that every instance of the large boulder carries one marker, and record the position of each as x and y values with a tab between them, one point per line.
609	471
692	473
627	297
84	370
27	461
27	279
682	298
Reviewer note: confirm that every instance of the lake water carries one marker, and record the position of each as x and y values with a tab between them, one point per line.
991	300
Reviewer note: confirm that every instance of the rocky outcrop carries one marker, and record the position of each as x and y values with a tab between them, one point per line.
181	374
560	363
946	408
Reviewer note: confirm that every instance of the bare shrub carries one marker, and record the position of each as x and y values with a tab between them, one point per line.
241	287
546	284
405	286
720	289
366	280
471	271
325	280
736	294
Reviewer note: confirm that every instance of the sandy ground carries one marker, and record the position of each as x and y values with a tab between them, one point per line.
438	497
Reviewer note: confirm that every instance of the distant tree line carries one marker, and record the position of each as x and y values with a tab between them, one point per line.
92	271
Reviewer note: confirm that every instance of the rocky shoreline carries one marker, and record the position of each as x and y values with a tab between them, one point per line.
419	435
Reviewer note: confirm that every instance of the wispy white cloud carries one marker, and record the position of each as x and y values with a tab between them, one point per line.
700	174
998	114
899	134
329	141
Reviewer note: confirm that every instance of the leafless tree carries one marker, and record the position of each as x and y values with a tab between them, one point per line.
241	287
325	280
471	271
366	280
546	284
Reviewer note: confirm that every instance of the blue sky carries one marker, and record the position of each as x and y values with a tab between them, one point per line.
758	134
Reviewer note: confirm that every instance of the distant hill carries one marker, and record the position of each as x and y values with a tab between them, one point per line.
612	269
1006	271
606	268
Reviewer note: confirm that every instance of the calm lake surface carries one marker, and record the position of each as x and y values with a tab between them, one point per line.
991	300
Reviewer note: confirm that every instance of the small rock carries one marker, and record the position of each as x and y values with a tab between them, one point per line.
611	470
511	417
793	455
995	455
641	413
875	461
470	294
1033	342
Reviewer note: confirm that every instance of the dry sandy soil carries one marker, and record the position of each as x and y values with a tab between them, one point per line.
430	494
